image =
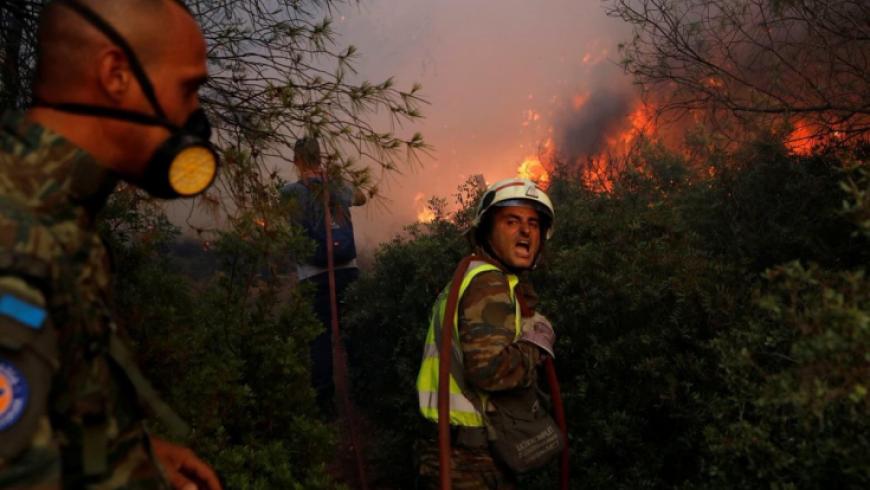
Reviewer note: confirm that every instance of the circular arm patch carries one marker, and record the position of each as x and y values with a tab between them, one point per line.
14	394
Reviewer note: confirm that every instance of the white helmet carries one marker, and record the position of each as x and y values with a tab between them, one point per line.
516	192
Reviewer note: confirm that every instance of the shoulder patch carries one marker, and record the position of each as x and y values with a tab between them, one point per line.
29	314
14	394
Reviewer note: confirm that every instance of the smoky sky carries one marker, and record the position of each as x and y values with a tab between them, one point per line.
500	78
583	132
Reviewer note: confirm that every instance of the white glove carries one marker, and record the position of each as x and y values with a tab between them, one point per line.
537	330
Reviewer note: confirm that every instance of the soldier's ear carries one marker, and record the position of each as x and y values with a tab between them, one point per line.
114	74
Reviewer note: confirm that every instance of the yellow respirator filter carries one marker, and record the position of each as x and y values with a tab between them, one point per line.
192	170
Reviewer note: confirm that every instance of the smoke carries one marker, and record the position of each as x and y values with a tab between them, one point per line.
583	131
501	77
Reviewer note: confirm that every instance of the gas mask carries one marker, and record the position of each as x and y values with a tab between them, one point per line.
186	163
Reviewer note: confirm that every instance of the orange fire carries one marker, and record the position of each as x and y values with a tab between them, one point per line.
599	169
638	122
802	139
535	167
597	174
424	212
534	170
426	216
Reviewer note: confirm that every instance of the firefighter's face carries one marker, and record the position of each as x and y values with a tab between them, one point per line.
516	236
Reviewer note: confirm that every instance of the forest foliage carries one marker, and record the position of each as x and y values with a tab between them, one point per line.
225	342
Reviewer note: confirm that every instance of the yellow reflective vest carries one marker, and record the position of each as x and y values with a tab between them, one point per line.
465	401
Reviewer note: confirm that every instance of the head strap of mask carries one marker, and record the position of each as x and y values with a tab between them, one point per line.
186	163
147	89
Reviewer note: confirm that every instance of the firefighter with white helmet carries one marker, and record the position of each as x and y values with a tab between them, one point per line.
522	193
496	351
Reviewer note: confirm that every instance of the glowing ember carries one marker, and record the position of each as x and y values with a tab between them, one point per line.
530	116
594	54
713	82
534	170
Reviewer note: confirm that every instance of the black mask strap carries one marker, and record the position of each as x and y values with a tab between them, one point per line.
110	112
119	40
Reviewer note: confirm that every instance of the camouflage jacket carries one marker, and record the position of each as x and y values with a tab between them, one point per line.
493	360
72	414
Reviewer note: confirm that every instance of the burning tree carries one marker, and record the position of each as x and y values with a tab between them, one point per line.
799	66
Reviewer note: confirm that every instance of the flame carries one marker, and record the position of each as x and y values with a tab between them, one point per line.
807	137
426	216
534	170
638	122
596	174
598	169
802	139
424	213
534	167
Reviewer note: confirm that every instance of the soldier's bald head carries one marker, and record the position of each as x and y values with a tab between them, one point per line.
116	103
68	43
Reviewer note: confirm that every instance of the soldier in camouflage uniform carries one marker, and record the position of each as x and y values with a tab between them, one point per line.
72	400
499	353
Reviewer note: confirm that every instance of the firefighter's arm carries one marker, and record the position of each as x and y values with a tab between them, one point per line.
28	360
183	467
493	360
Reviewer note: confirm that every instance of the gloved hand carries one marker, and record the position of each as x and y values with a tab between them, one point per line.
183	468
537	330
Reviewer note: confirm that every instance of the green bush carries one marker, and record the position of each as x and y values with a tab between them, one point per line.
227	349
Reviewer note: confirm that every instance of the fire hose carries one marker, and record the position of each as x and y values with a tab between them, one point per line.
444	359
339	359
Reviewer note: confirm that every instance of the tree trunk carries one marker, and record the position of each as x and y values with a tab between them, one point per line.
11	21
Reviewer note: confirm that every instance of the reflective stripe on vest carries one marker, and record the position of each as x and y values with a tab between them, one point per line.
464	401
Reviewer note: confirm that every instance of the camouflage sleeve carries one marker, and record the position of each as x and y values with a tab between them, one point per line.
28	361
493	361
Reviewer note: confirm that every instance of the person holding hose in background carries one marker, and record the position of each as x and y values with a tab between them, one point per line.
496	352
115	97
309	214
